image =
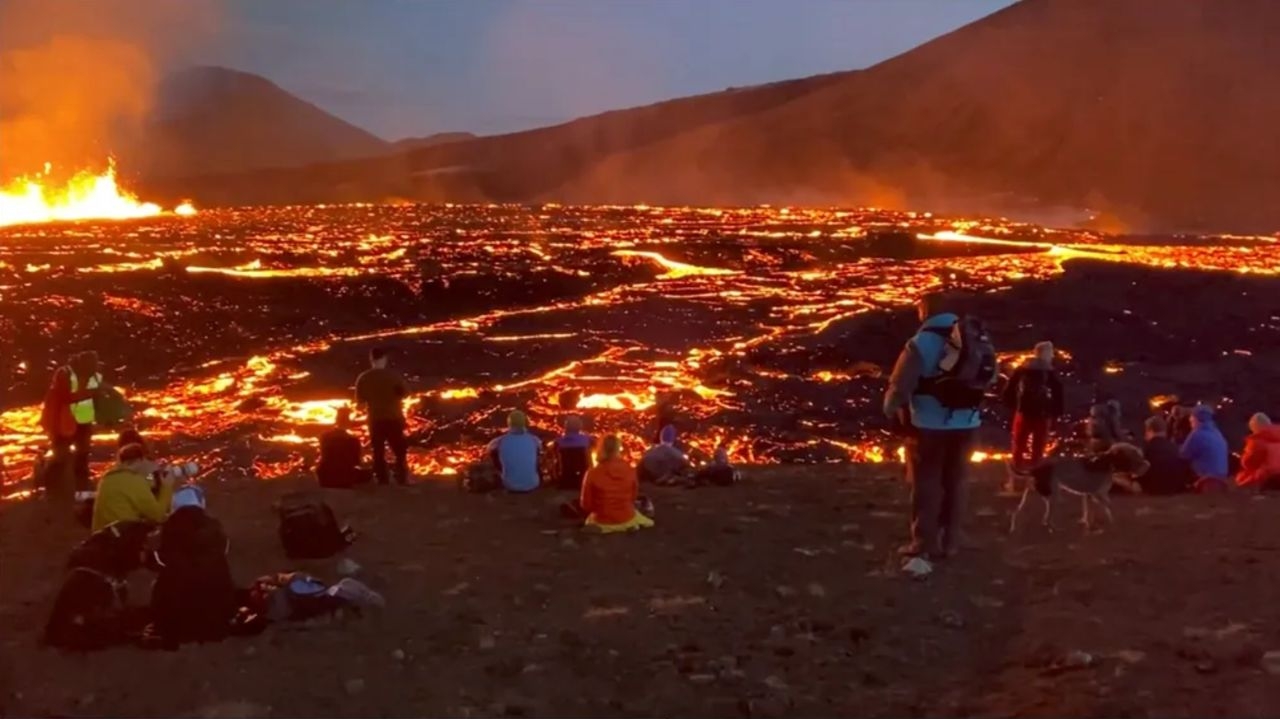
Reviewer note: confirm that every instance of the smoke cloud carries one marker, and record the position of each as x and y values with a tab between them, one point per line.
77	77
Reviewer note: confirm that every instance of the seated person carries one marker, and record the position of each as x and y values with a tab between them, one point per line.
719	471
573	450
1168	473
1127	466
1260	463
1103	428
1178	420
193	598
610	491
132	491
340	456
1206	451
515	454
664	463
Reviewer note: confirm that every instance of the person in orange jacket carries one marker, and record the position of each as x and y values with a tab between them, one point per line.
610	490
1260	463
67	415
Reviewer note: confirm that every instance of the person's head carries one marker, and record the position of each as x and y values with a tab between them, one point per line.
1155	426
84	363
128	437
1201	415
928	306
611	448
1258	421
342	419
667	435
378	357
572	424
1044	352
517	421
721	456
131	455
188	496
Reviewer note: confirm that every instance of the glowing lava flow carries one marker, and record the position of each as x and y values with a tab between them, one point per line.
85	196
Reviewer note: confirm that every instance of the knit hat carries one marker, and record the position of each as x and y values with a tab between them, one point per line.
188	496
668	434
1258	421
1202	413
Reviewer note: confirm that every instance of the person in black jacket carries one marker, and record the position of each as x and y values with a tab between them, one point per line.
1034	393
340	456
194	598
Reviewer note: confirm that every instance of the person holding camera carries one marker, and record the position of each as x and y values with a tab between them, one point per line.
136	489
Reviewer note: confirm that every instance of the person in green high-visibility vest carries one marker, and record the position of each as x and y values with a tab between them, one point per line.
68	415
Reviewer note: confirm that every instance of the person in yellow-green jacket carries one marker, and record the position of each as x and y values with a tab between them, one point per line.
128	492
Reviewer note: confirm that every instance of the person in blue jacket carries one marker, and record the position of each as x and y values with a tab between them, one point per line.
1206	449
939	440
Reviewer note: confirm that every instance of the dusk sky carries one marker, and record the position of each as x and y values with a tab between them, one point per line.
414	67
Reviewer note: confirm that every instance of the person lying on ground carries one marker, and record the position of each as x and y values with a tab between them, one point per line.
132	491
1206	451
193	598
297	597
573	454
339	466
610	492
1034	394
515	454
664	463
1169	472
1260	463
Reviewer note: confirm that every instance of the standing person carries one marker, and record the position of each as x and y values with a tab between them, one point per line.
1034	393
934	395
381	391
1206	450
67	415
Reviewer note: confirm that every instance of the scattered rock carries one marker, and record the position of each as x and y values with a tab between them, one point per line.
1207	666
569	543
817	590
715	579
917	568
950	619
858	635
353	687
784	592
347	567
701	679
985	602
1129	656
398	655
1271	662
1069	662
487	641
250	652
775	683
233	710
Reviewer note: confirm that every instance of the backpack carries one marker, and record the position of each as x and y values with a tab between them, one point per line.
309	529
967	368
1035	396
110	408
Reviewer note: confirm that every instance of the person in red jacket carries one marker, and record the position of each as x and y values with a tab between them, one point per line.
67	415
1034	393
610	490
1260	463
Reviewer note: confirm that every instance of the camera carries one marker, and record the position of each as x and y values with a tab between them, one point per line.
174	472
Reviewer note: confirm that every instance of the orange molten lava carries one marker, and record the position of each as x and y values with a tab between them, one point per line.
85	196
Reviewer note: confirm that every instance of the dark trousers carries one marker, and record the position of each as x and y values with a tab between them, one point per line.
937	468
384	433
1029	433
75	450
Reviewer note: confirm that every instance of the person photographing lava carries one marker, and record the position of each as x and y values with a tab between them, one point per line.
381	392
67	417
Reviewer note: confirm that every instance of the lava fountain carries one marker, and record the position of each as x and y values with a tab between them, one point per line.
86	196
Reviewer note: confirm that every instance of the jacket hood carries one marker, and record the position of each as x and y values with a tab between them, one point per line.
1269	434
946	319
1202	414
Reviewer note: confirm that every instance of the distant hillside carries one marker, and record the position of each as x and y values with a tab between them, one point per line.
1160	112
216	120
440	138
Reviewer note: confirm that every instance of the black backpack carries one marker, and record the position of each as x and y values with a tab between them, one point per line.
309	529
1035	395
967	368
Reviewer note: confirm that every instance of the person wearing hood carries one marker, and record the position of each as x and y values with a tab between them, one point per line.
1260	463
1206	450
939	440
516	455
573	453
194	598
610	490
129	491
1034	393
664	462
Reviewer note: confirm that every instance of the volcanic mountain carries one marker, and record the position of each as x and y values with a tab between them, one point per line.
1158	110
216	120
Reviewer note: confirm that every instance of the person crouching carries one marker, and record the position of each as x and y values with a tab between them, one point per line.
193	598
610	492
132	490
